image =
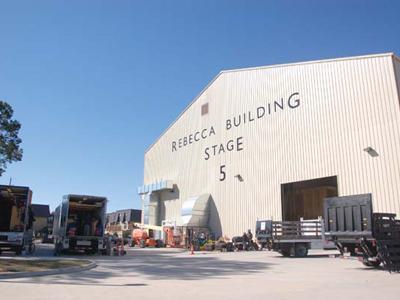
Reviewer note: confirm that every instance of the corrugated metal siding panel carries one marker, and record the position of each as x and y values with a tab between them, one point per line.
346	106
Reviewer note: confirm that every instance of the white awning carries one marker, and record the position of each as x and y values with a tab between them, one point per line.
195	211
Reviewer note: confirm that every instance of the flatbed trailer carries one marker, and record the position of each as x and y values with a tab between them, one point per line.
354	227
293	238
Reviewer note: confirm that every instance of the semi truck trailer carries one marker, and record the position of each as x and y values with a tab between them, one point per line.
79	224
16	219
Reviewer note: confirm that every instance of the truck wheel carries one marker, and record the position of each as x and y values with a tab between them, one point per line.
301	250
368	263
285	253
159	244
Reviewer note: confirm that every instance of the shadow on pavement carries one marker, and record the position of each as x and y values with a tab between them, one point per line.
309	256
376	269
154	265
75	283
191	267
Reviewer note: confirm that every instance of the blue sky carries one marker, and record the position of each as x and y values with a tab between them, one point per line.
94	83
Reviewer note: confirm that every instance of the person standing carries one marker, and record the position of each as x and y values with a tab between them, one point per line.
245	241
249	240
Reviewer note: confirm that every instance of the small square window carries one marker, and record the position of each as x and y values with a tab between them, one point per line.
204	109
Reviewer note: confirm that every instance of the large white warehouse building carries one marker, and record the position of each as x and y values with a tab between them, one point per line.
273	142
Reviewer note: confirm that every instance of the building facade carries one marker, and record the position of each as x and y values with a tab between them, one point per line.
40	213
122	220
273	142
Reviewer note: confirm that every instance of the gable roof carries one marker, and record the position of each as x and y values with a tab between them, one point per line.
265	67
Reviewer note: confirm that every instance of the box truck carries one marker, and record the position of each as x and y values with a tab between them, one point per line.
16	219
79	224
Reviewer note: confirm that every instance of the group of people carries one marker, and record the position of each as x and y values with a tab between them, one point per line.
248	243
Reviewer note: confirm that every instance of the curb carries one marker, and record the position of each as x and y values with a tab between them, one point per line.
67	270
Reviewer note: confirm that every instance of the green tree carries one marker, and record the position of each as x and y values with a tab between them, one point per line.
9	141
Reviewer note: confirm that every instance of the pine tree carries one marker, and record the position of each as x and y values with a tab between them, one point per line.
9	141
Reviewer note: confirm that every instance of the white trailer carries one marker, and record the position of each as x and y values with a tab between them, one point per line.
79	224
16	219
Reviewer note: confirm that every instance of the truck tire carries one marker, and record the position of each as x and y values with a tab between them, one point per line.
301	250
285	252
160	244
368	263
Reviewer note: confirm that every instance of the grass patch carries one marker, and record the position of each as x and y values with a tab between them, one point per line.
14	265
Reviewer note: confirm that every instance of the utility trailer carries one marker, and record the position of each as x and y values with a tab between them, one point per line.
292	238
353	226
79	224
16	219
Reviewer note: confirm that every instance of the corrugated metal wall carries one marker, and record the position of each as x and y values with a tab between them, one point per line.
345	106
396	64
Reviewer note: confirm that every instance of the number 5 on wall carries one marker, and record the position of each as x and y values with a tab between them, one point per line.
222	173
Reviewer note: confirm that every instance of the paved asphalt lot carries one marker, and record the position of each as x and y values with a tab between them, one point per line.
173	274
